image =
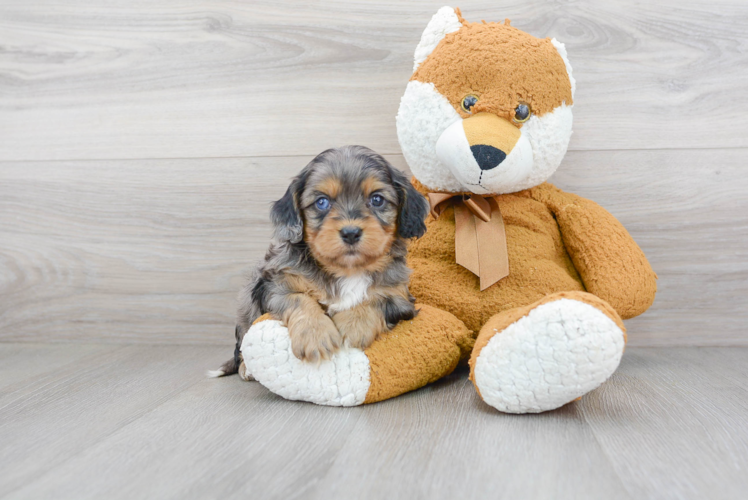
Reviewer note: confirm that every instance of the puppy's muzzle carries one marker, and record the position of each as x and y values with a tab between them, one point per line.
351	234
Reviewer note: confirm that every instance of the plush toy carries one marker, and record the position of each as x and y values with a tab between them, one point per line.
526	281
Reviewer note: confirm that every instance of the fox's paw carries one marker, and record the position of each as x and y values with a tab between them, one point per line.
556	353
341	380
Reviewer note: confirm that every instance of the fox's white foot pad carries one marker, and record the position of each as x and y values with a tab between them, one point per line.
342	380
560	351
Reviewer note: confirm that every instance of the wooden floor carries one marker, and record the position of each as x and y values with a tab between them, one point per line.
141	144
133	421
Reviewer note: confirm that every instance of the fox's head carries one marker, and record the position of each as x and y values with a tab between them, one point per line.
488	108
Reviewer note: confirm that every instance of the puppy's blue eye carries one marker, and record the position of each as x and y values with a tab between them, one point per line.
377	200
322	204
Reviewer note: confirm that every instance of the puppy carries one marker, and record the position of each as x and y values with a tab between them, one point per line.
335	273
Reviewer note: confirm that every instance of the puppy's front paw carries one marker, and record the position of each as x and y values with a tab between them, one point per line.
314	337
244	373
360	326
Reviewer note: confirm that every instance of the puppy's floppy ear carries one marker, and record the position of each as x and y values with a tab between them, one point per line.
413	206
286	213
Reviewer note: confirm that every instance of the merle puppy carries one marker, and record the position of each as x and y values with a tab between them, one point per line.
335	273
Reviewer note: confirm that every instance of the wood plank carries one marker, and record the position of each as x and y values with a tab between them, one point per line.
444	442
23	363
182	78
45	423
144	251
223	438
155	251
672	423
242	443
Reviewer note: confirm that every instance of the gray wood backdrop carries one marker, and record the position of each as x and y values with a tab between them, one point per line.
141	144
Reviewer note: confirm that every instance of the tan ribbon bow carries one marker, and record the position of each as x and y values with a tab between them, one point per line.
480	237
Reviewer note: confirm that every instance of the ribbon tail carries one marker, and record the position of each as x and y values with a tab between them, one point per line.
493	257
466	239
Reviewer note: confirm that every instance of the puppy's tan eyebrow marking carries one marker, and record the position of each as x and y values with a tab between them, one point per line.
372	184
330	186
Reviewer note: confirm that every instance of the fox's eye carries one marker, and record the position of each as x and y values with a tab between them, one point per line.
322	203
468	102
376	200
522	113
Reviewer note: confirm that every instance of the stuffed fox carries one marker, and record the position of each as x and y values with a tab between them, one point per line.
527	282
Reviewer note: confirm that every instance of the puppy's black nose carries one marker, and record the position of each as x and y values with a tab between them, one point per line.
488	157
351	234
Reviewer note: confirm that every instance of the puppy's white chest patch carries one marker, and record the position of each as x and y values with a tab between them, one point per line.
350	292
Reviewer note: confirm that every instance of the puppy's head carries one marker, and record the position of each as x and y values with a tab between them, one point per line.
349	205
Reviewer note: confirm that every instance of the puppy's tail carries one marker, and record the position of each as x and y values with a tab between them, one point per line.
231	366
228	368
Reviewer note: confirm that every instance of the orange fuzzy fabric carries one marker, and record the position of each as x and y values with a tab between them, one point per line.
499	64
553	246
416	353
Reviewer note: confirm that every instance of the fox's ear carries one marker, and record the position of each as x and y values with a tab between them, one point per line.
446	20
561	48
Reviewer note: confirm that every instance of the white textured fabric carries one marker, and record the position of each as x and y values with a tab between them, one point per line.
422	117
560	351
342	380
549	137
561	48
444	21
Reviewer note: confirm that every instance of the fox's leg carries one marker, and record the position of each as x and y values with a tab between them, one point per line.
413	354
542	356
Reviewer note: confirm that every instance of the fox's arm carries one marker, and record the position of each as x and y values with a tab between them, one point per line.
610	263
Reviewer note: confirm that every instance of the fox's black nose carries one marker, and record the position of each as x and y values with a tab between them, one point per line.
351	234
488	157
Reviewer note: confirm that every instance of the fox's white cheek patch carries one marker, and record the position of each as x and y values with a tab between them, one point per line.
544	142
453	150
423	115
549	136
